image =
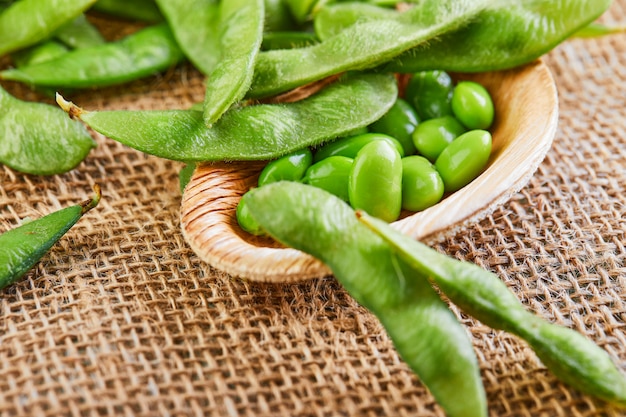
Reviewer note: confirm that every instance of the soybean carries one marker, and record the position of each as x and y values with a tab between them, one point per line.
472	105
331	174
422	186
22	247
432	136
399	122
290	167
430	93
463	159
350	146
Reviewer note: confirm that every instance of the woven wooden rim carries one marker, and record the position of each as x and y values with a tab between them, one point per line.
526	121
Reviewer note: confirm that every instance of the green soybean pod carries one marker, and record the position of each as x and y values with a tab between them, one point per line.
241	33
287	40
278	17
422	186
141	54
472	105
40	139
432	136
142	10
430	93
331	174
427	336
399	122
184	175
256	132
332	19
291	167
503	35
364	45
350	146
194	24
22	247
462	160
28	22
79	33
41	52
375	183
570	356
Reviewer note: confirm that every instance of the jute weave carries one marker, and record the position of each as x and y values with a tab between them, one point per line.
122	319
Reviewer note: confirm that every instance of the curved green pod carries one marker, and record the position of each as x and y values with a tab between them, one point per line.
570	356
79	33
142	10
506	34
22	247
39	139
361	46
27	22
256	132
138	55
424	331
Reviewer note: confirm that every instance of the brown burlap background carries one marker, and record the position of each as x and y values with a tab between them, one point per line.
121	318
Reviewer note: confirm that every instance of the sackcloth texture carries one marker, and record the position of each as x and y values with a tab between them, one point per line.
122	319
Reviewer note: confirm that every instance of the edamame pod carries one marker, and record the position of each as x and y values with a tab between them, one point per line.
79	33
22	247
38	138
504	35
361	46
41	52
570	356
425	333
142	10
138	55
241	34
28	22
258	132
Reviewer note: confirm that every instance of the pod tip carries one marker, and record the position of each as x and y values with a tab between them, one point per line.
93	202
70	108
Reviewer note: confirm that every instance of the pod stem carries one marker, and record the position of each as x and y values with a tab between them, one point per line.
93	202
70	108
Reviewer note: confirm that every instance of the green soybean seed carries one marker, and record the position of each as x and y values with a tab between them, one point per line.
422	186
432	136
350	146
138	55
331	174
246	221
430	93
184	175
257	132
28	22
290	167
375	183
399	122
462	160
426	335
40	139
472	105
570	356
22	247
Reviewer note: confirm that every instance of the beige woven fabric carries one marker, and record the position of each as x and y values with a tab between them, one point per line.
122	319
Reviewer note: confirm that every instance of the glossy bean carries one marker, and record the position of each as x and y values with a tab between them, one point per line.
361	46
422	186
291	167
503	35
570	356
463	159
241	33
425	333
375	183
350	146
472	105
28	22
22	247
399	122
430	93
246	221
38	138
331	174
432	136
256	132
141	54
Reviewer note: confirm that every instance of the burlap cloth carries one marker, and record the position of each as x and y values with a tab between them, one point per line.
121	318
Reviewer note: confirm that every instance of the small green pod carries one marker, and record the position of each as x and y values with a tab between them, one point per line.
399	122
432	136
472	105
350	146
430	93
184	175
464	159
331	174
22	247
246	221
375	183
287	40
422	186
290	167
41	52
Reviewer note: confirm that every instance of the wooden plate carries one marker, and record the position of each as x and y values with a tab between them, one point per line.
526	105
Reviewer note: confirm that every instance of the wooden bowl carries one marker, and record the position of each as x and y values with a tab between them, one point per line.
526	105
